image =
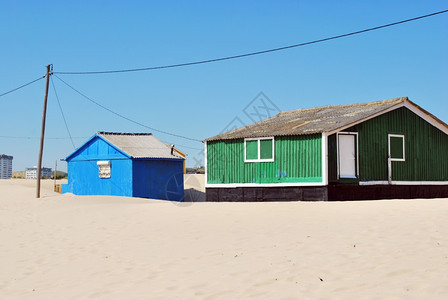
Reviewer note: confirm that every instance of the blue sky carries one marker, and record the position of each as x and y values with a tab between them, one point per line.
200	101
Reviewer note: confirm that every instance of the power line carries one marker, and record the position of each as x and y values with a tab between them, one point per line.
126	118
76	137
37	137
22	86
183	146
63	116
254	53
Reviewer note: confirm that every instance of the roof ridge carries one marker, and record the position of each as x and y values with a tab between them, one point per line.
123	133
398	100
313	120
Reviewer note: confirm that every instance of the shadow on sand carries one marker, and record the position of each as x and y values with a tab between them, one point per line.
193	195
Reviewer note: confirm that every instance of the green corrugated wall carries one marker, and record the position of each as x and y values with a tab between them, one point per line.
426	149
297	159
332	156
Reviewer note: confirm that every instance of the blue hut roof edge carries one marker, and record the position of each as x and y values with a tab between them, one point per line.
96	135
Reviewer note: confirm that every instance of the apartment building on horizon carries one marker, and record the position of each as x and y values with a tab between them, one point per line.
5	166
31	173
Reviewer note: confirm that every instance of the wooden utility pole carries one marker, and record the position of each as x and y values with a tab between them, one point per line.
55	174
42	133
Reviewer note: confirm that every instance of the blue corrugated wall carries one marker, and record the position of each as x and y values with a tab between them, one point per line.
148	178
83	177
158	179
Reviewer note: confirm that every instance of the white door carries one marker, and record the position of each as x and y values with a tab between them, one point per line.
347	156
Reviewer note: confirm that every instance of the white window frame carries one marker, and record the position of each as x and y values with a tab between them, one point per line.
104	169
259	149
404	153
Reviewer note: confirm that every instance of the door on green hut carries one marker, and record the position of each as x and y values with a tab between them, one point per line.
347	155
396	149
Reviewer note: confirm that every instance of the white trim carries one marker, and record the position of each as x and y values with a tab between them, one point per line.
357	153
404	153
389	170
390	159
298	184
385	182
205	161
235	185
337	156
426	116
259	138
324	159
259	150
420	182
245	151
367	118
378	182
103	162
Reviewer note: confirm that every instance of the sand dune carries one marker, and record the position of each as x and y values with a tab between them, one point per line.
74	247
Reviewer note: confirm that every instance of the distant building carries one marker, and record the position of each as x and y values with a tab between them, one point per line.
31	173
5	166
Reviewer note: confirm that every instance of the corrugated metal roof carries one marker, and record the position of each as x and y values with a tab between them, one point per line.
311	120
140	145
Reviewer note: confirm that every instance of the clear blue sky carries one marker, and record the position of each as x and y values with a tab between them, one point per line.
200	101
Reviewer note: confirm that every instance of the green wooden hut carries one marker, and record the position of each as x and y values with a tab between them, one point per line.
377	150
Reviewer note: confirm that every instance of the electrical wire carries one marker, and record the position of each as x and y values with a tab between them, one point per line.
62	113
78	137
22	86
36	137
188	147
124	117
253	53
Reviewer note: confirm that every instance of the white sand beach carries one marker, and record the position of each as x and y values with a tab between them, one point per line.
100	247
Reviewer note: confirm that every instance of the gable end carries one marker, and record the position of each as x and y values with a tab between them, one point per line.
97	148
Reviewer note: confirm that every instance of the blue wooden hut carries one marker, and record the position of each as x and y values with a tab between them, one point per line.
126	164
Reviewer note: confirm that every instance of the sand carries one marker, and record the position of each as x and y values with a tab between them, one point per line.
97	247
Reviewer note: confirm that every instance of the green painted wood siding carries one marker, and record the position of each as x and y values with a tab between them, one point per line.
297	159
426	149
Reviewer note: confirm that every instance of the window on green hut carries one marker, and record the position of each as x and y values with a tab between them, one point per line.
259	149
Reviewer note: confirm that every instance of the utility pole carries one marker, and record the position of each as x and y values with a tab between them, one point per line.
42	133
55	174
